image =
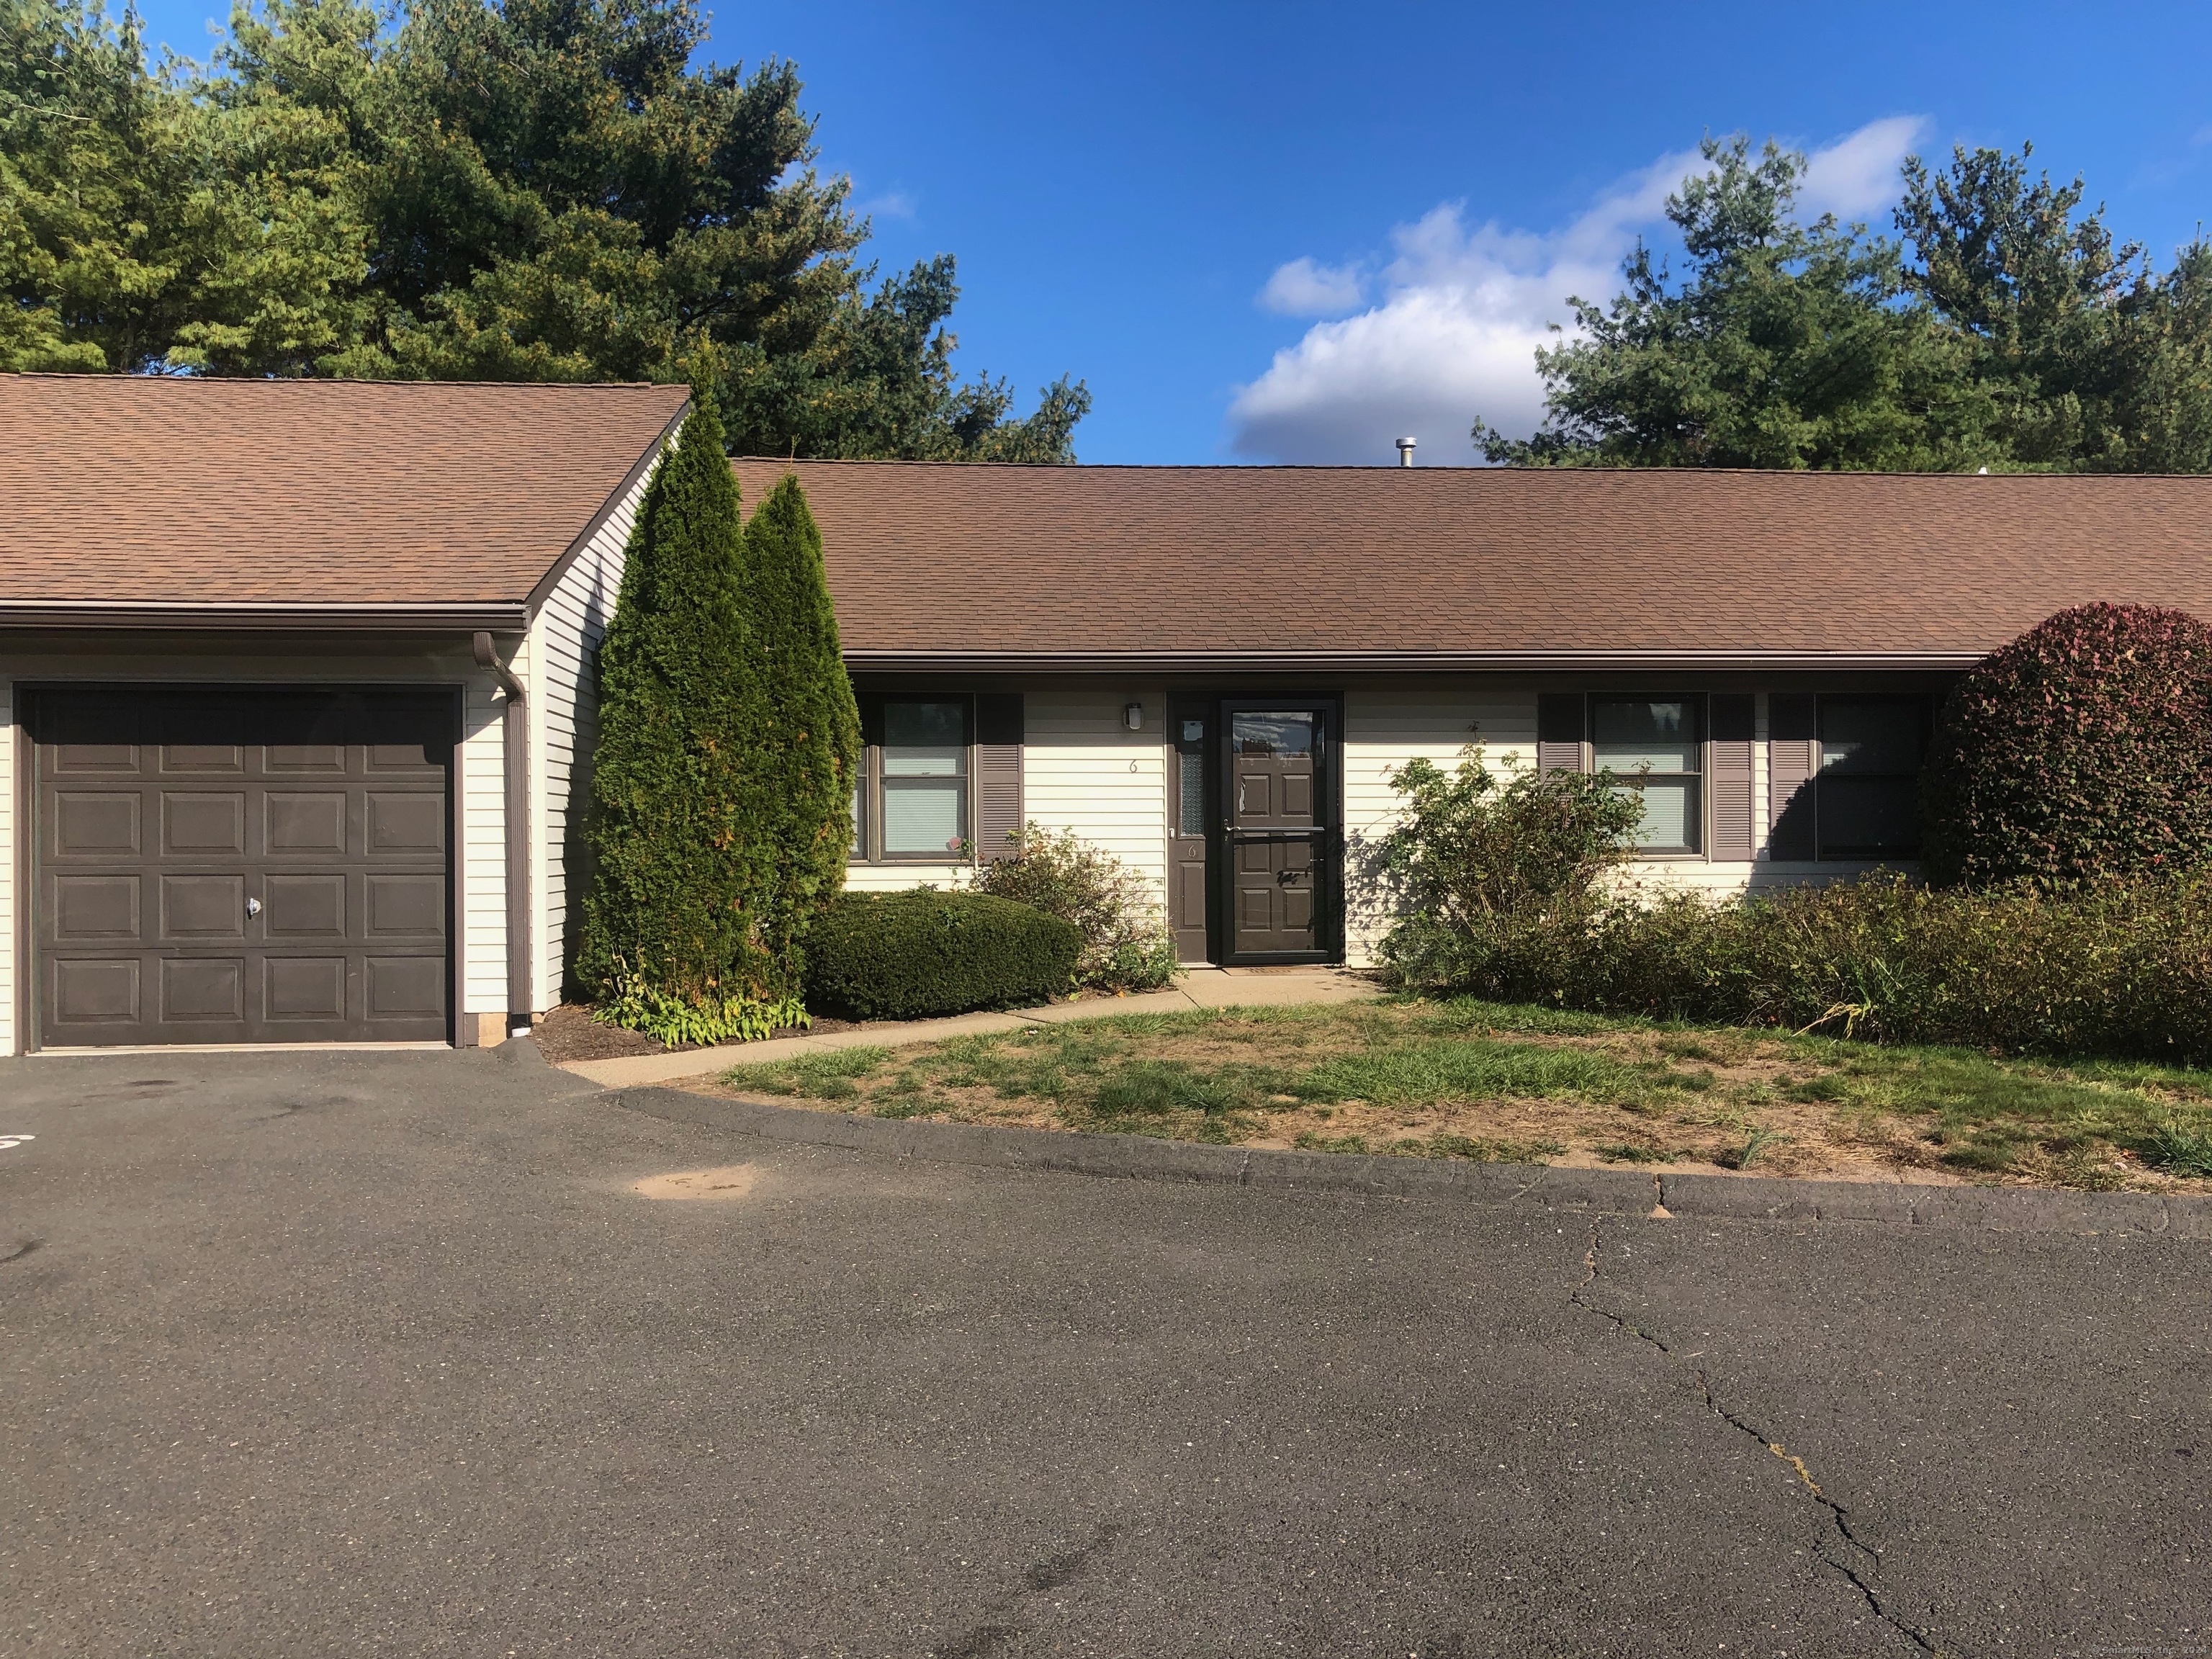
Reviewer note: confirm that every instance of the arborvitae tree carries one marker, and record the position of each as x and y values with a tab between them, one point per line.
807	746
671	940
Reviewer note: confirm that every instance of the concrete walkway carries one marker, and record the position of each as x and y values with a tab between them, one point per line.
1199	987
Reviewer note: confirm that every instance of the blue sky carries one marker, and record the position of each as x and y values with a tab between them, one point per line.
1125	185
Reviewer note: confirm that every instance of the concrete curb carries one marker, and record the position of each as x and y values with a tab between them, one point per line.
1616	1192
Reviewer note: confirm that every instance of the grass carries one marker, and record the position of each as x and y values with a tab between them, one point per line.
1489	1082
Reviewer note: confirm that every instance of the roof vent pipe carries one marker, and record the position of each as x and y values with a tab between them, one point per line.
1404	451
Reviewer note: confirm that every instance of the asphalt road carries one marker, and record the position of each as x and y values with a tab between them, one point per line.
382	1354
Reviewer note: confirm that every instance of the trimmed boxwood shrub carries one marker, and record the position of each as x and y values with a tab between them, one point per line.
2081	750
911	954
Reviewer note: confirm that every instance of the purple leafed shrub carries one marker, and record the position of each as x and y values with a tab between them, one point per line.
2081	750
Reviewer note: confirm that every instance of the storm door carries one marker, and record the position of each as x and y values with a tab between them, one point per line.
1279	832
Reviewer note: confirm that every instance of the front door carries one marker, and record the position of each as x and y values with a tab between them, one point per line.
1280	798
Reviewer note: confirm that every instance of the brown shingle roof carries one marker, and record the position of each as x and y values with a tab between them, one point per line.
120	491
1186	562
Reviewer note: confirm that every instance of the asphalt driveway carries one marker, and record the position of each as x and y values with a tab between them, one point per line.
382	1354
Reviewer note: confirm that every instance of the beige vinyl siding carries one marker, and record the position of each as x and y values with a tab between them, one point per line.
482	765
896	877
1082	769
1384	728
8	895
564	730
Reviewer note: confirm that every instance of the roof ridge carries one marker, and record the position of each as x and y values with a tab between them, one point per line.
1262	468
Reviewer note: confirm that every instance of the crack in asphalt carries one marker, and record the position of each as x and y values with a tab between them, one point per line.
1838	1514
998	1625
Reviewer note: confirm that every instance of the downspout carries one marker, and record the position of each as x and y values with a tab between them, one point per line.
514	731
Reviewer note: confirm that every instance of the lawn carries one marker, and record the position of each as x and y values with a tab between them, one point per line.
1523	1084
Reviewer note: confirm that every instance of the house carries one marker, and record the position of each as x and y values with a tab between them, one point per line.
1213	671
295	685
293	688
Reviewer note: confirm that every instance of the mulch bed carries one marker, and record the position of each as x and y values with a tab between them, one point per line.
570	1033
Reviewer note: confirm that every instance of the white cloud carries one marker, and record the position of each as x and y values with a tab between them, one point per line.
891	205
1464	309
1303	289
1856	177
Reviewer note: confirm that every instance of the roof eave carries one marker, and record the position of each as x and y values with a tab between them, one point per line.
500	616
1398	662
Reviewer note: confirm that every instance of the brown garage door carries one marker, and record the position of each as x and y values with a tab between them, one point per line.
245	864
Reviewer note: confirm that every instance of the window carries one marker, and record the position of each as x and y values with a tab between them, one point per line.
1868	790
1655	748
1190	777
921	779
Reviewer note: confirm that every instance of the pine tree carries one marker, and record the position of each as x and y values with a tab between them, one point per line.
672	939
807	749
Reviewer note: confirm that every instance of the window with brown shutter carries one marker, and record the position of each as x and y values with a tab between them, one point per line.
1559	731
1793	759
999	807
1866	794
1733	731
923	777
1653	747
941	771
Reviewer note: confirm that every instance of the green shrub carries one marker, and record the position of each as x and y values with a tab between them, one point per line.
911	954
1126	945
2117	968
2113	968
1487	881
2081	750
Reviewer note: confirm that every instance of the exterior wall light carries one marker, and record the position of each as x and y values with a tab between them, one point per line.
1133	716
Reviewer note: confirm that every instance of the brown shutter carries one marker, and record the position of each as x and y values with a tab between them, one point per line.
999	807
1793	757
1734	730
1559	731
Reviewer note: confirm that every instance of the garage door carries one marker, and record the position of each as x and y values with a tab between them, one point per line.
248	865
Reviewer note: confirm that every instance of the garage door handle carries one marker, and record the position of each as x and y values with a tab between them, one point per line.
253	907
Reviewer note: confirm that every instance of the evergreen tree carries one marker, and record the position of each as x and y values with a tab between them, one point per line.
143	227
1787	345
807	746
489	190
2011	330
672	939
